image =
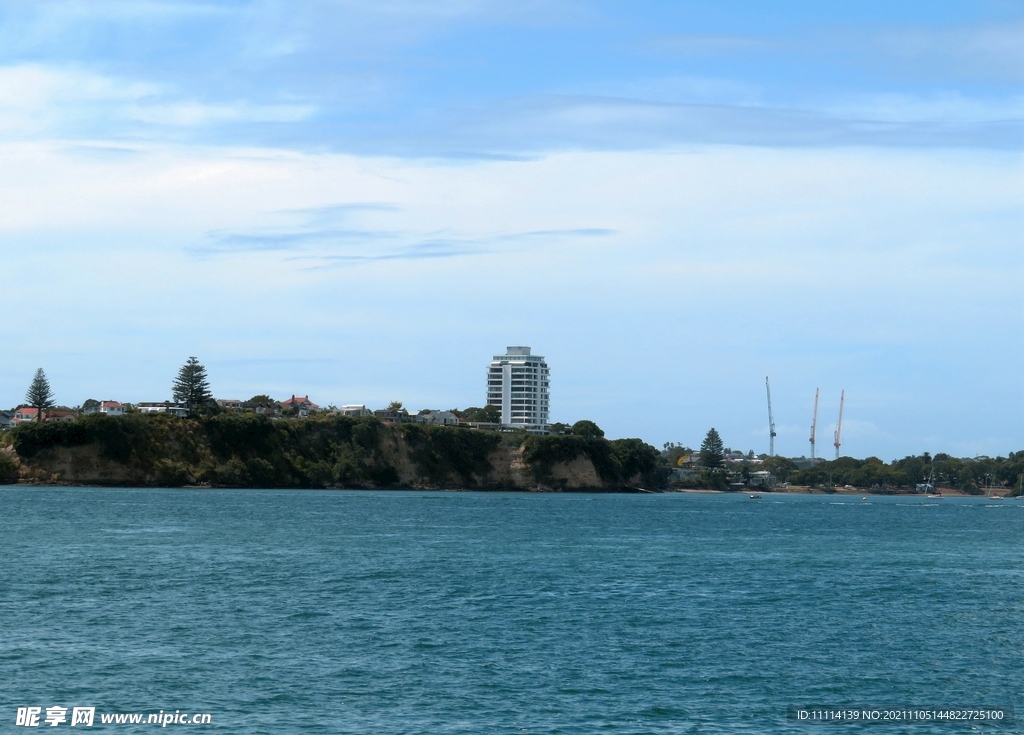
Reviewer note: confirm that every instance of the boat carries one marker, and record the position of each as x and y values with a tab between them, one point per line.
929	487
755	496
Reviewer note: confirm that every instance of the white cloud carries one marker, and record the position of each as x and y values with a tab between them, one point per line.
37	98
46	101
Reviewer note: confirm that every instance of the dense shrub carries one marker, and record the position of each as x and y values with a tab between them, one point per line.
635	458
171	474
617	462
117	435
8	469
442	453
241	435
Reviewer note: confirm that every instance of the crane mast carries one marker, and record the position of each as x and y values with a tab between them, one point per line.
814	421
771	419
839	424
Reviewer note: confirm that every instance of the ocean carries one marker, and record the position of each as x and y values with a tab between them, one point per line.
430	612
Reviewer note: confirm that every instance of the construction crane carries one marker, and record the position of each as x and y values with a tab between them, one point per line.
839	423
814	421
771	420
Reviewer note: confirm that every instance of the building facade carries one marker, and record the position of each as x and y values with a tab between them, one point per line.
518	384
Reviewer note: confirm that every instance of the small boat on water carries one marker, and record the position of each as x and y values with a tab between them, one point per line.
928	488
755	496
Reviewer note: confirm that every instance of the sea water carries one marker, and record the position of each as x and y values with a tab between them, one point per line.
420	612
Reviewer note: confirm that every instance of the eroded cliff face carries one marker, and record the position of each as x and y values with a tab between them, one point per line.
80	466
88	465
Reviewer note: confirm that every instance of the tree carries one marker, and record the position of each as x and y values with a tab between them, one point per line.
39	395
191	386
712	451
488	414
394	406
779	466
262	399
587	429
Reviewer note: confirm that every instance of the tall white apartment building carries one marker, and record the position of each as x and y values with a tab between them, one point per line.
518	383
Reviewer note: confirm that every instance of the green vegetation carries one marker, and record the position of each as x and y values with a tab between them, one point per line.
486	415
243	450
251	450
712	451
966	475
191	387
587	429
619	463
445	453
8	469
39	395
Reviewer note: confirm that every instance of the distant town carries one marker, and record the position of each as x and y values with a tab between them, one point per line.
517	398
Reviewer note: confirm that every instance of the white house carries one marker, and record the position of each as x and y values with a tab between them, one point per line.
354	410
110	408
436	418
174	409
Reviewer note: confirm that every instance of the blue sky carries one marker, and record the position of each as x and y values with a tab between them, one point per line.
364	201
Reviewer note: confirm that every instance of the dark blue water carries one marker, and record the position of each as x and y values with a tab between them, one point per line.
404	612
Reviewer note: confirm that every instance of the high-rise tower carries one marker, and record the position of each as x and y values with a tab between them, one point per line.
518	384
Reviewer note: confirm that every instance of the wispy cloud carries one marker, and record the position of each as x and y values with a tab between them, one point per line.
319	248
280	241
554	122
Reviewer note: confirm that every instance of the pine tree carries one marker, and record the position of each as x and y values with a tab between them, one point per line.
712	450
39	395
191	386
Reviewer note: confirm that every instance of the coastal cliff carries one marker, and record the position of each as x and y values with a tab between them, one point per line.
249	450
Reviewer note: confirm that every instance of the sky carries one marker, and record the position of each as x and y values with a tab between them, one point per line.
365	201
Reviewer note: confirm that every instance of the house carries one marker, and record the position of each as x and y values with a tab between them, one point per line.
110	408
6	420
354	410
229	404
436	418
271	410
25	414
59	416
682	473
300	407
392	416
764	478
174	409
